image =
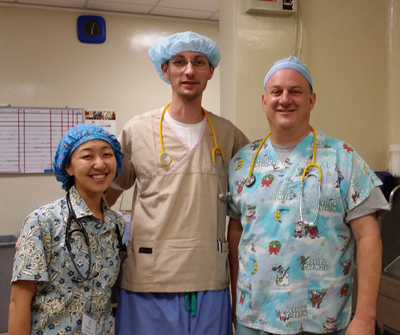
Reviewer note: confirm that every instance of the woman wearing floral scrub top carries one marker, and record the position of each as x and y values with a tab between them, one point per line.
55	291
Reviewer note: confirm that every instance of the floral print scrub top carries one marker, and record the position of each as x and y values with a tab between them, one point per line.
60	300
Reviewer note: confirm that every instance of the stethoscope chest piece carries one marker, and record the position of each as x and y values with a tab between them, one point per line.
250	180
165	158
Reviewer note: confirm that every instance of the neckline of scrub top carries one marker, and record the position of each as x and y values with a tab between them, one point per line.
190	152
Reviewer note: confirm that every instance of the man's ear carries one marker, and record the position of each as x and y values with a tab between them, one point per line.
164	69
212	68
263	101
313	99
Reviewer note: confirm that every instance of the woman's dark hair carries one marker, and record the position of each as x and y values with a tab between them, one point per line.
69	183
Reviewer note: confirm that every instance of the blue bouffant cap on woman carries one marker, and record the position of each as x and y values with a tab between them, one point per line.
292	63
181	42
73	139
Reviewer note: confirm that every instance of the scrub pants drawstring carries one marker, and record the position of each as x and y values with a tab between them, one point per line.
191	297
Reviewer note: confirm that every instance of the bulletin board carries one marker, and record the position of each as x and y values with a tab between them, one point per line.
29	136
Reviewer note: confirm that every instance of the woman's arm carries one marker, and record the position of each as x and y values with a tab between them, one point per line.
19	320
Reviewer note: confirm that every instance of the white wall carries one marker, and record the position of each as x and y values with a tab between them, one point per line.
42	64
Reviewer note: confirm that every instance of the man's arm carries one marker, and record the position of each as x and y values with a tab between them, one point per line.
112	196
234	233
369	266
19	319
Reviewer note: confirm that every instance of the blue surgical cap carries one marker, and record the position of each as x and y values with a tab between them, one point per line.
73	139
292	63
181	42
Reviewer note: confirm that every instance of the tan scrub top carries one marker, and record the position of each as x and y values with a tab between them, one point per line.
177	218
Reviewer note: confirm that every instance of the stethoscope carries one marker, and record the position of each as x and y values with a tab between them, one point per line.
166	159
82	230
250	179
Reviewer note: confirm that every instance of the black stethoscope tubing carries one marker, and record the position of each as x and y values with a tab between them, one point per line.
69	232
82	230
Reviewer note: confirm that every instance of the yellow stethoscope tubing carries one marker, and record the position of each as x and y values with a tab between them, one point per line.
305	169
163	153
313	160
256	154
216	147
303	177
250	178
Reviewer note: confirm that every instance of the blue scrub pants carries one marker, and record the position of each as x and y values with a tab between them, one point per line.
242	330
166	314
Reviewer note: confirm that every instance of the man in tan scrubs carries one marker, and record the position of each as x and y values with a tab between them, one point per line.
175	278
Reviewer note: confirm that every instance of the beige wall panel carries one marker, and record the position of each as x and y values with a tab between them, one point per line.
394	73
345	47
348	59
227	46
42	64
351	95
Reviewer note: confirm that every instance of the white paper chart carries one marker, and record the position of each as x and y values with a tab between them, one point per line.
29	137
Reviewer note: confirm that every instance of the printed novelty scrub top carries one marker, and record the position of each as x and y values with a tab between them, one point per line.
60	301
293	278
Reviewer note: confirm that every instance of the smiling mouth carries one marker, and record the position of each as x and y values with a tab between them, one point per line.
98	176
285	110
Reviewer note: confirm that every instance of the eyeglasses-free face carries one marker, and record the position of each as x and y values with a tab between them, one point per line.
93	166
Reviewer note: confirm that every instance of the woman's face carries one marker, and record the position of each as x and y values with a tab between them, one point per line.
93	166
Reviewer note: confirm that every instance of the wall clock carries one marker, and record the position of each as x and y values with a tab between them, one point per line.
91	29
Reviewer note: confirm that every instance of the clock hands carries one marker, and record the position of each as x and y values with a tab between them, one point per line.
91	31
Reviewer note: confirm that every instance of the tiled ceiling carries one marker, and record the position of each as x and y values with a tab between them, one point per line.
194	9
